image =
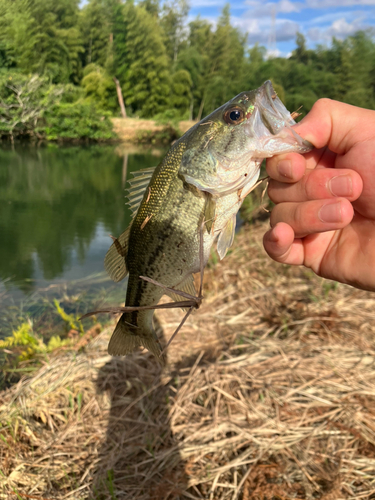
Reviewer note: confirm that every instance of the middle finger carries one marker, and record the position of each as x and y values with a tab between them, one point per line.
318	184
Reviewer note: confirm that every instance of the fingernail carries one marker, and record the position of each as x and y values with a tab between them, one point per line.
284	168
341	185
330	212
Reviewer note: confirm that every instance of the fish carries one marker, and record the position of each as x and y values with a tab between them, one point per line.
188	203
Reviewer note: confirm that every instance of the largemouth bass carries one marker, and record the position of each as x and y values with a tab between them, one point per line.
203	179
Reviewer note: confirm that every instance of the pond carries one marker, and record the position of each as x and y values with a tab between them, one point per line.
58	206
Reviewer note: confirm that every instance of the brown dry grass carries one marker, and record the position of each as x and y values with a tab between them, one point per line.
269	394
128	129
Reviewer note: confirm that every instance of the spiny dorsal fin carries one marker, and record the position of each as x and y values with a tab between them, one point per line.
226	237
185	286
137	188
114	261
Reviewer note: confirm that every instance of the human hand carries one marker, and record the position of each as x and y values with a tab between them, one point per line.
324	216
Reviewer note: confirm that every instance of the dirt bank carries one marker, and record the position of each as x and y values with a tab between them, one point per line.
130	129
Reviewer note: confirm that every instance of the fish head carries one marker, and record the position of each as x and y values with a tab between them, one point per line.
226	148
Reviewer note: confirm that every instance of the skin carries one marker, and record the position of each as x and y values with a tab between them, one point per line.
324	216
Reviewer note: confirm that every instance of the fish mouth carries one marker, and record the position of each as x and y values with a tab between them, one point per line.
271	123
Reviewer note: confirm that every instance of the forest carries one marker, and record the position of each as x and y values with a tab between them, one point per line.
59	62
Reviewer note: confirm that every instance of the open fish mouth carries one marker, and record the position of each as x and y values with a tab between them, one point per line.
271	124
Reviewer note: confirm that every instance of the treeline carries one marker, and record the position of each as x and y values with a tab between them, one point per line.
58	63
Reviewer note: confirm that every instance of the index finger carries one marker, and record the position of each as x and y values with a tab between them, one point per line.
291	167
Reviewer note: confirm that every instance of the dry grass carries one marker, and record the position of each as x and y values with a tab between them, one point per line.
128	129
269	394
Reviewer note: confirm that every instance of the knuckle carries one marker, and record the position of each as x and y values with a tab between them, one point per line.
275	215
310	185
271	165
298	215
272	191
322	104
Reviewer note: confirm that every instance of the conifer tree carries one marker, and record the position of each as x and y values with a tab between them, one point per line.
172	24
43	37
146	83
96	26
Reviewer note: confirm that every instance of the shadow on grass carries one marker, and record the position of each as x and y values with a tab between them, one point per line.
140	457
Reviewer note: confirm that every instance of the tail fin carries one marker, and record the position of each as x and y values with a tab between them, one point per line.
125	339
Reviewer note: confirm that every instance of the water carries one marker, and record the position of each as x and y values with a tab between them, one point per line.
58	206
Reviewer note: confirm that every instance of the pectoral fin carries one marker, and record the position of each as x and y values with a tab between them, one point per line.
226	237
209	212
114	261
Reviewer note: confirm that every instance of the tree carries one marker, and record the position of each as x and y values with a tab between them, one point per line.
194	57
225	78
99	87
172	23
181	91
96	27
43	37
146	84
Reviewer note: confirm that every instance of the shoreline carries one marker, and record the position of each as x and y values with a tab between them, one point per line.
132	131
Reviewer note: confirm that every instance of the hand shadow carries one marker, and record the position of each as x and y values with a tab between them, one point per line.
139	458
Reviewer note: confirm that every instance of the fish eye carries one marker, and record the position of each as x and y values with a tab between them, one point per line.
234	116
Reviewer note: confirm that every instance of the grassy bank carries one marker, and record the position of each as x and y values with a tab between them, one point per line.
268	393
138	131
33	108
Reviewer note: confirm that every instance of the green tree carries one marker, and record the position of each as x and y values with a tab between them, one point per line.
146	84
227	50
181	92
172	23
42	36
99	87
195	58
96	28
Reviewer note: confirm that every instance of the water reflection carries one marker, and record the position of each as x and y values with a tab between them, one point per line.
57	207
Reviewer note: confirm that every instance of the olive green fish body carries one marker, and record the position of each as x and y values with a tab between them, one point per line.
202	180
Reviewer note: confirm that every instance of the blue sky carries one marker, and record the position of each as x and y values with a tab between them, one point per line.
318	20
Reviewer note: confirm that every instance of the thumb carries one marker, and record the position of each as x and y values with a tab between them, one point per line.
336	125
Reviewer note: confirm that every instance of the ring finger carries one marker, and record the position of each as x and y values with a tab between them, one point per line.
314	216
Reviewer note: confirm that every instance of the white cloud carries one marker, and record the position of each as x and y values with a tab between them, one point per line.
340	28
206	3
259	29
334	16
287	6
325	4
261	9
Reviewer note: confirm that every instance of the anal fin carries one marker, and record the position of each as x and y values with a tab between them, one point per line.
187	286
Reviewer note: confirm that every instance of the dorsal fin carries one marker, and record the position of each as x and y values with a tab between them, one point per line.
226	237
137	188
185	286
114	261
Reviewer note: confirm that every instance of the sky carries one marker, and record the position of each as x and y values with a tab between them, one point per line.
318	20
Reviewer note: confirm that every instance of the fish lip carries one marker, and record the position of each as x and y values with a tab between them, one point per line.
271	120
266	101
